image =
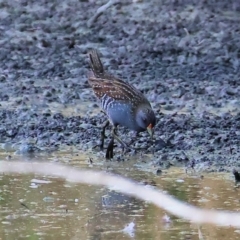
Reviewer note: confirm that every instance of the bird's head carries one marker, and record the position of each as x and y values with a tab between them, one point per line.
146	119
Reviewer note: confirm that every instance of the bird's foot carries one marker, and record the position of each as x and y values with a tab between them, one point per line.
111	145
100	145
126	148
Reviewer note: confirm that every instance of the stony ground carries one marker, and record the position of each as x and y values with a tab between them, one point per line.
184	55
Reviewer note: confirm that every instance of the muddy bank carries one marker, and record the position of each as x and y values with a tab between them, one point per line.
183	56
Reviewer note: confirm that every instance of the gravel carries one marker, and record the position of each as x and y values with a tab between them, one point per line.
184	55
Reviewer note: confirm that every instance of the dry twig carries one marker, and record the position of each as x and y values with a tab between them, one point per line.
101	10
129	187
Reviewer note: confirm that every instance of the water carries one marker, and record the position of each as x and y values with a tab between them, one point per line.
43	207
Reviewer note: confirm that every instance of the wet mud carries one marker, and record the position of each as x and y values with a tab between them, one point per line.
183	55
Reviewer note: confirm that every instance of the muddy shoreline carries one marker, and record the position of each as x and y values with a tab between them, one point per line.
183	56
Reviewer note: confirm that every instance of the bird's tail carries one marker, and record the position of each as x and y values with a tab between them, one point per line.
96	63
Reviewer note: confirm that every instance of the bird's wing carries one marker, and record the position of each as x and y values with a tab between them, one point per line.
115	88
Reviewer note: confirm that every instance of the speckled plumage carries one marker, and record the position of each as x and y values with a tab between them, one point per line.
123	103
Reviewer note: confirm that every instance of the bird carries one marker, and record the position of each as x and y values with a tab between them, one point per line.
123	104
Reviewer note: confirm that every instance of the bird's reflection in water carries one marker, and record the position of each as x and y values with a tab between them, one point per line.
115	216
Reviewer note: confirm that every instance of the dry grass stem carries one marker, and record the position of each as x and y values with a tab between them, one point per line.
160	199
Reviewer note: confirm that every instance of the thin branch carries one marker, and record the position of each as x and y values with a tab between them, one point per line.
129	187
101	10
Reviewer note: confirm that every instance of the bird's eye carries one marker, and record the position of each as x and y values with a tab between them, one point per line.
145	120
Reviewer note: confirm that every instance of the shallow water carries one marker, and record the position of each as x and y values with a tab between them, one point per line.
43	207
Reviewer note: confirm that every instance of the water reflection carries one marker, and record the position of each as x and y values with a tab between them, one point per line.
41	207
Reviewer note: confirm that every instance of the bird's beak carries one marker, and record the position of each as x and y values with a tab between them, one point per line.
150	130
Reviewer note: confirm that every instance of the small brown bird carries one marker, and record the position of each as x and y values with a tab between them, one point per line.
123	103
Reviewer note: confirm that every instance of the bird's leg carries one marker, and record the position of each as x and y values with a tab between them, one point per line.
134	138
109	153
114	135
101	145
106	124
